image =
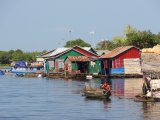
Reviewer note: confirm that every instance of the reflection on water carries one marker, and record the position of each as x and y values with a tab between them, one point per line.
151	111
53	99
106	103
128	87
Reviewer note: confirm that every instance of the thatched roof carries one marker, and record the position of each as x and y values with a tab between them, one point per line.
155	49
151	64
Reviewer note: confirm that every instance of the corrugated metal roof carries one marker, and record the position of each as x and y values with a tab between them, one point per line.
57	55
116	52
47	54
102	52
58	51
86	48
78	58
90	49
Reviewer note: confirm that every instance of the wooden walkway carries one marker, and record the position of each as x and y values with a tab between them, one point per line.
83	76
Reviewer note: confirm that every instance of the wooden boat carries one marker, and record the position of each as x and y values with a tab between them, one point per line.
95	93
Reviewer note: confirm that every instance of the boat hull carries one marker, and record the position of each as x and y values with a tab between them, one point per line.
96	94
143	98
22	72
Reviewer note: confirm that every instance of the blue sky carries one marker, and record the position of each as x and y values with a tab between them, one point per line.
39	25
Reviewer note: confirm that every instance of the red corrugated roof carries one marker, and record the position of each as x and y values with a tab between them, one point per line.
78	58
84	51
116	51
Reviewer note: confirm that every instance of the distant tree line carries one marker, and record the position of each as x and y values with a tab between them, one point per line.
6	57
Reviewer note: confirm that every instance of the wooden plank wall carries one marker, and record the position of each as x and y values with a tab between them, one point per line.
132	66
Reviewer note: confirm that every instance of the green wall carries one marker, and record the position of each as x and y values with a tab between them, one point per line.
69	53
74	66
92	69
96	68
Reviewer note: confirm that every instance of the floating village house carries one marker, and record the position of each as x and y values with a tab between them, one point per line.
116	61
49	64
58	58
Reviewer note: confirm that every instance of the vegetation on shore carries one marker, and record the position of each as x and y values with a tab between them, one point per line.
6	57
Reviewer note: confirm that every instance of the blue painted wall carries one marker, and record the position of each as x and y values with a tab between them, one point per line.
116	71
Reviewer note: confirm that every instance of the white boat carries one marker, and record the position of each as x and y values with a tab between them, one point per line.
89	77
20	69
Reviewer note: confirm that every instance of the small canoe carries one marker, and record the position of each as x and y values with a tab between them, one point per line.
96	94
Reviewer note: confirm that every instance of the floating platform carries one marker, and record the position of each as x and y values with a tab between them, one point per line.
143	98
83	76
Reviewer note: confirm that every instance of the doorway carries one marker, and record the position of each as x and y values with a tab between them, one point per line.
83	67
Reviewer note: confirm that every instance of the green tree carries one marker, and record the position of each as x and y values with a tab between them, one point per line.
131	36
129	29
105	45
144	39
157	38
119	41
29	57
19	51
5	58
11	52
35	54
44	51
16	56
122	40
78	42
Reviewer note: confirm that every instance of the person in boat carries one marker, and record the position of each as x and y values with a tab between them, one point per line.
146	86
106	88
